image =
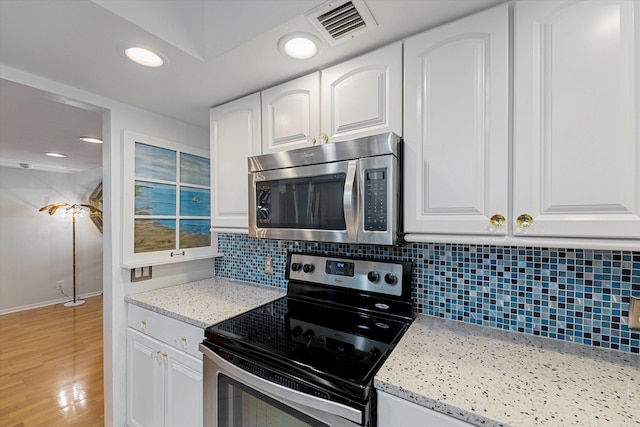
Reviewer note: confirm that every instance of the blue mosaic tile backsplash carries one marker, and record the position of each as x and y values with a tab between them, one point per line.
575	295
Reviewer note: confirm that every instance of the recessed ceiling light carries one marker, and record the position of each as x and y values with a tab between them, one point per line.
55	154
144	56
299	45
90	139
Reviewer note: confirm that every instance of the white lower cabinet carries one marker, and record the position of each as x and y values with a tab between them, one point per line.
396	412
164	383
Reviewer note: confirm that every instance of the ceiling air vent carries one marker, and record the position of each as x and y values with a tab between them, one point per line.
341	20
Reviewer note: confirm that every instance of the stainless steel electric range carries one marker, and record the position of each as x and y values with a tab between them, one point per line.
309	358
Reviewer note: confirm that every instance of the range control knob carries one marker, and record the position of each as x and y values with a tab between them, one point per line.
296	332
373	276
307	268
390	279
308	334
296	266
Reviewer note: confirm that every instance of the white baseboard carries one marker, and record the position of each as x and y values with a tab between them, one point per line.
46	303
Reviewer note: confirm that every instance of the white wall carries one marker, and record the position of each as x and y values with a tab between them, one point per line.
35	248
116	280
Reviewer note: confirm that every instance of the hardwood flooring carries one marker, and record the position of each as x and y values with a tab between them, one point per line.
51	371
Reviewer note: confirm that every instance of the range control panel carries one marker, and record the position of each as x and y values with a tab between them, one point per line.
385	277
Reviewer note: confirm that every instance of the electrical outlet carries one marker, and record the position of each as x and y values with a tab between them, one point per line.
634	313
140	273
60	284
268	265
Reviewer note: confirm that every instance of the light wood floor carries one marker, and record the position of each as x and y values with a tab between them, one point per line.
51	366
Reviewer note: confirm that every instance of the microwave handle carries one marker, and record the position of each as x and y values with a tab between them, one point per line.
350	199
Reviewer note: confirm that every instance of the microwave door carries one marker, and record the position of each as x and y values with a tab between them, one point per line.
306	203
350	201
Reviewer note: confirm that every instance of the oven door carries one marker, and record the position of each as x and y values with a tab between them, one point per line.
234	397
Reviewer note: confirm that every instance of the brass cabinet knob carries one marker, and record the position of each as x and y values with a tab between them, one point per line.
325	138
497	220
181	343
312	139
524	221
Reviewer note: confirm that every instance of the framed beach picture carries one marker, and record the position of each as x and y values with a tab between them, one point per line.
166	203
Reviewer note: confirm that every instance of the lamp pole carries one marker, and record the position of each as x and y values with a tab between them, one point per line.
75	302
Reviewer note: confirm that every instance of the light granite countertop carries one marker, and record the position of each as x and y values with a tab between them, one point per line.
205	302
491	377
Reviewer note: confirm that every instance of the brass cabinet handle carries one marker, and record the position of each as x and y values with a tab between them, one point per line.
524	220
325	138
497	220
312	139
182	342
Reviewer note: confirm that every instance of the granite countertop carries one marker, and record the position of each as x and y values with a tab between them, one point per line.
491	377
205	302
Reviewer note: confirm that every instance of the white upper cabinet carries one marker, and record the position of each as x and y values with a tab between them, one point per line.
576	139
359	97
235	135
456	128
363	96
291	114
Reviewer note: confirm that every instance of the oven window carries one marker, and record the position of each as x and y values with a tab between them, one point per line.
303	203
242	406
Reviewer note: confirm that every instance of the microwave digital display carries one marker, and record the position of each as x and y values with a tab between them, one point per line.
375	175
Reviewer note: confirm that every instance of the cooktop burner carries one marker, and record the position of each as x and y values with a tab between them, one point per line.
331	333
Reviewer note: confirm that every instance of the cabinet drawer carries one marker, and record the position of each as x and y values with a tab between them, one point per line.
174	332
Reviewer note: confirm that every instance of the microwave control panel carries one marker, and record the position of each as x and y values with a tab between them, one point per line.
375	199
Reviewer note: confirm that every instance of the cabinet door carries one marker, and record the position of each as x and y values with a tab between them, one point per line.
144	380
291	114
183	386
456	126
393	412
235	135
363	96
166	202
576	139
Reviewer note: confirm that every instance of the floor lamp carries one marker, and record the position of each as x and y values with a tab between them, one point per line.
73	210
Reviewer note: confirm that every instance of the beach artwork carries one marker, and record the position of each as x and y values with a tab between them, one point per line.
155	199
152	235
194	233
194	170
155	163
172	201
195	201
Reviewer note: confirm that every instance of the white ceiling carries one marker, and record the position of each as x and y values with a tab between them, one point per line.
218	50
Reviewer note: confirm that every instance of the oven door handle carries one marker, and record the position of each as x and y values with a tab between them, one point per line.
281	393
350	200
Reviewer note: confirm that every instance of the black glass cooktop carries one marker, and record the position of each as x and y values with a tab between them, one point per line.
332	346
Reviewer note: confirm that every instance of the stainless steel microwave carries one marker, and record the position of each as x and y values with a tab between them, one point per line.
342	192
